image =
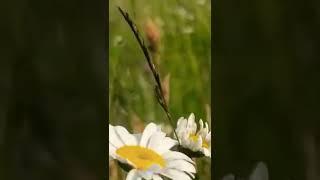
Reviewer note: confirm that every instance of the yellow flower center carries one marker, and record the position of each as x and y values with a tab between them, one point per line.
194	138
142	158
205	144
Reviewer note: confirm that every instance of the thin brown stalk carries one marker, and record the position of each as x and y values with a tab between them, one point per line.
158	87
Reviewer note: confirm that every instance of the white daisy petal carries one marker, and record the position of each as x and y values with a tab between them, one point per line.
174	155
148	131
114	138
190	174
194	128
180	120
137	137
201	124
133	175
181	127
156	140
156	177
190	121
208	137
125	136
184	123
191	125
206	128
191	117
206	152
112	151
160	143
181	165
175	174
148	174
167	144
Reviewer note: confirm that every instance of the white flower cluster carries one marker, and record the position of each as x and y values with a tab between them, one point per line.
150	154
190	138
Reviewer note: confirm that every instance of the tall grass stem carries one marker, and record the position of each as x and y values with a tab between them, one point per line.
158	86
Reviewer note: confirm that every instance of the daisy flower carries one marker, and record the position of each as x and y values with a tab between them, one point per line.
149	154
191	139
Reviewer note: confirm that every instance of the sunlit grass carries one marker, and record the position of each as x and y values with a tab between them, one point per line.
184	54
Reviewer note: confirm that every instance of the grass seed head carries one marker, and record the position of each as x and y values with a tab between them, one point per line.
153	35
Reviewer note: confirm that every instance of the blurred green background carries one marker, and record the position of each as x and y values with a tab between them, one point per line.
53	85
180	32
266	87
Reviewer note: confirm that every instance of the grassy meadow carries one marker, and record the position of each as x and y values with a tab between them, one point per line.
180	34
